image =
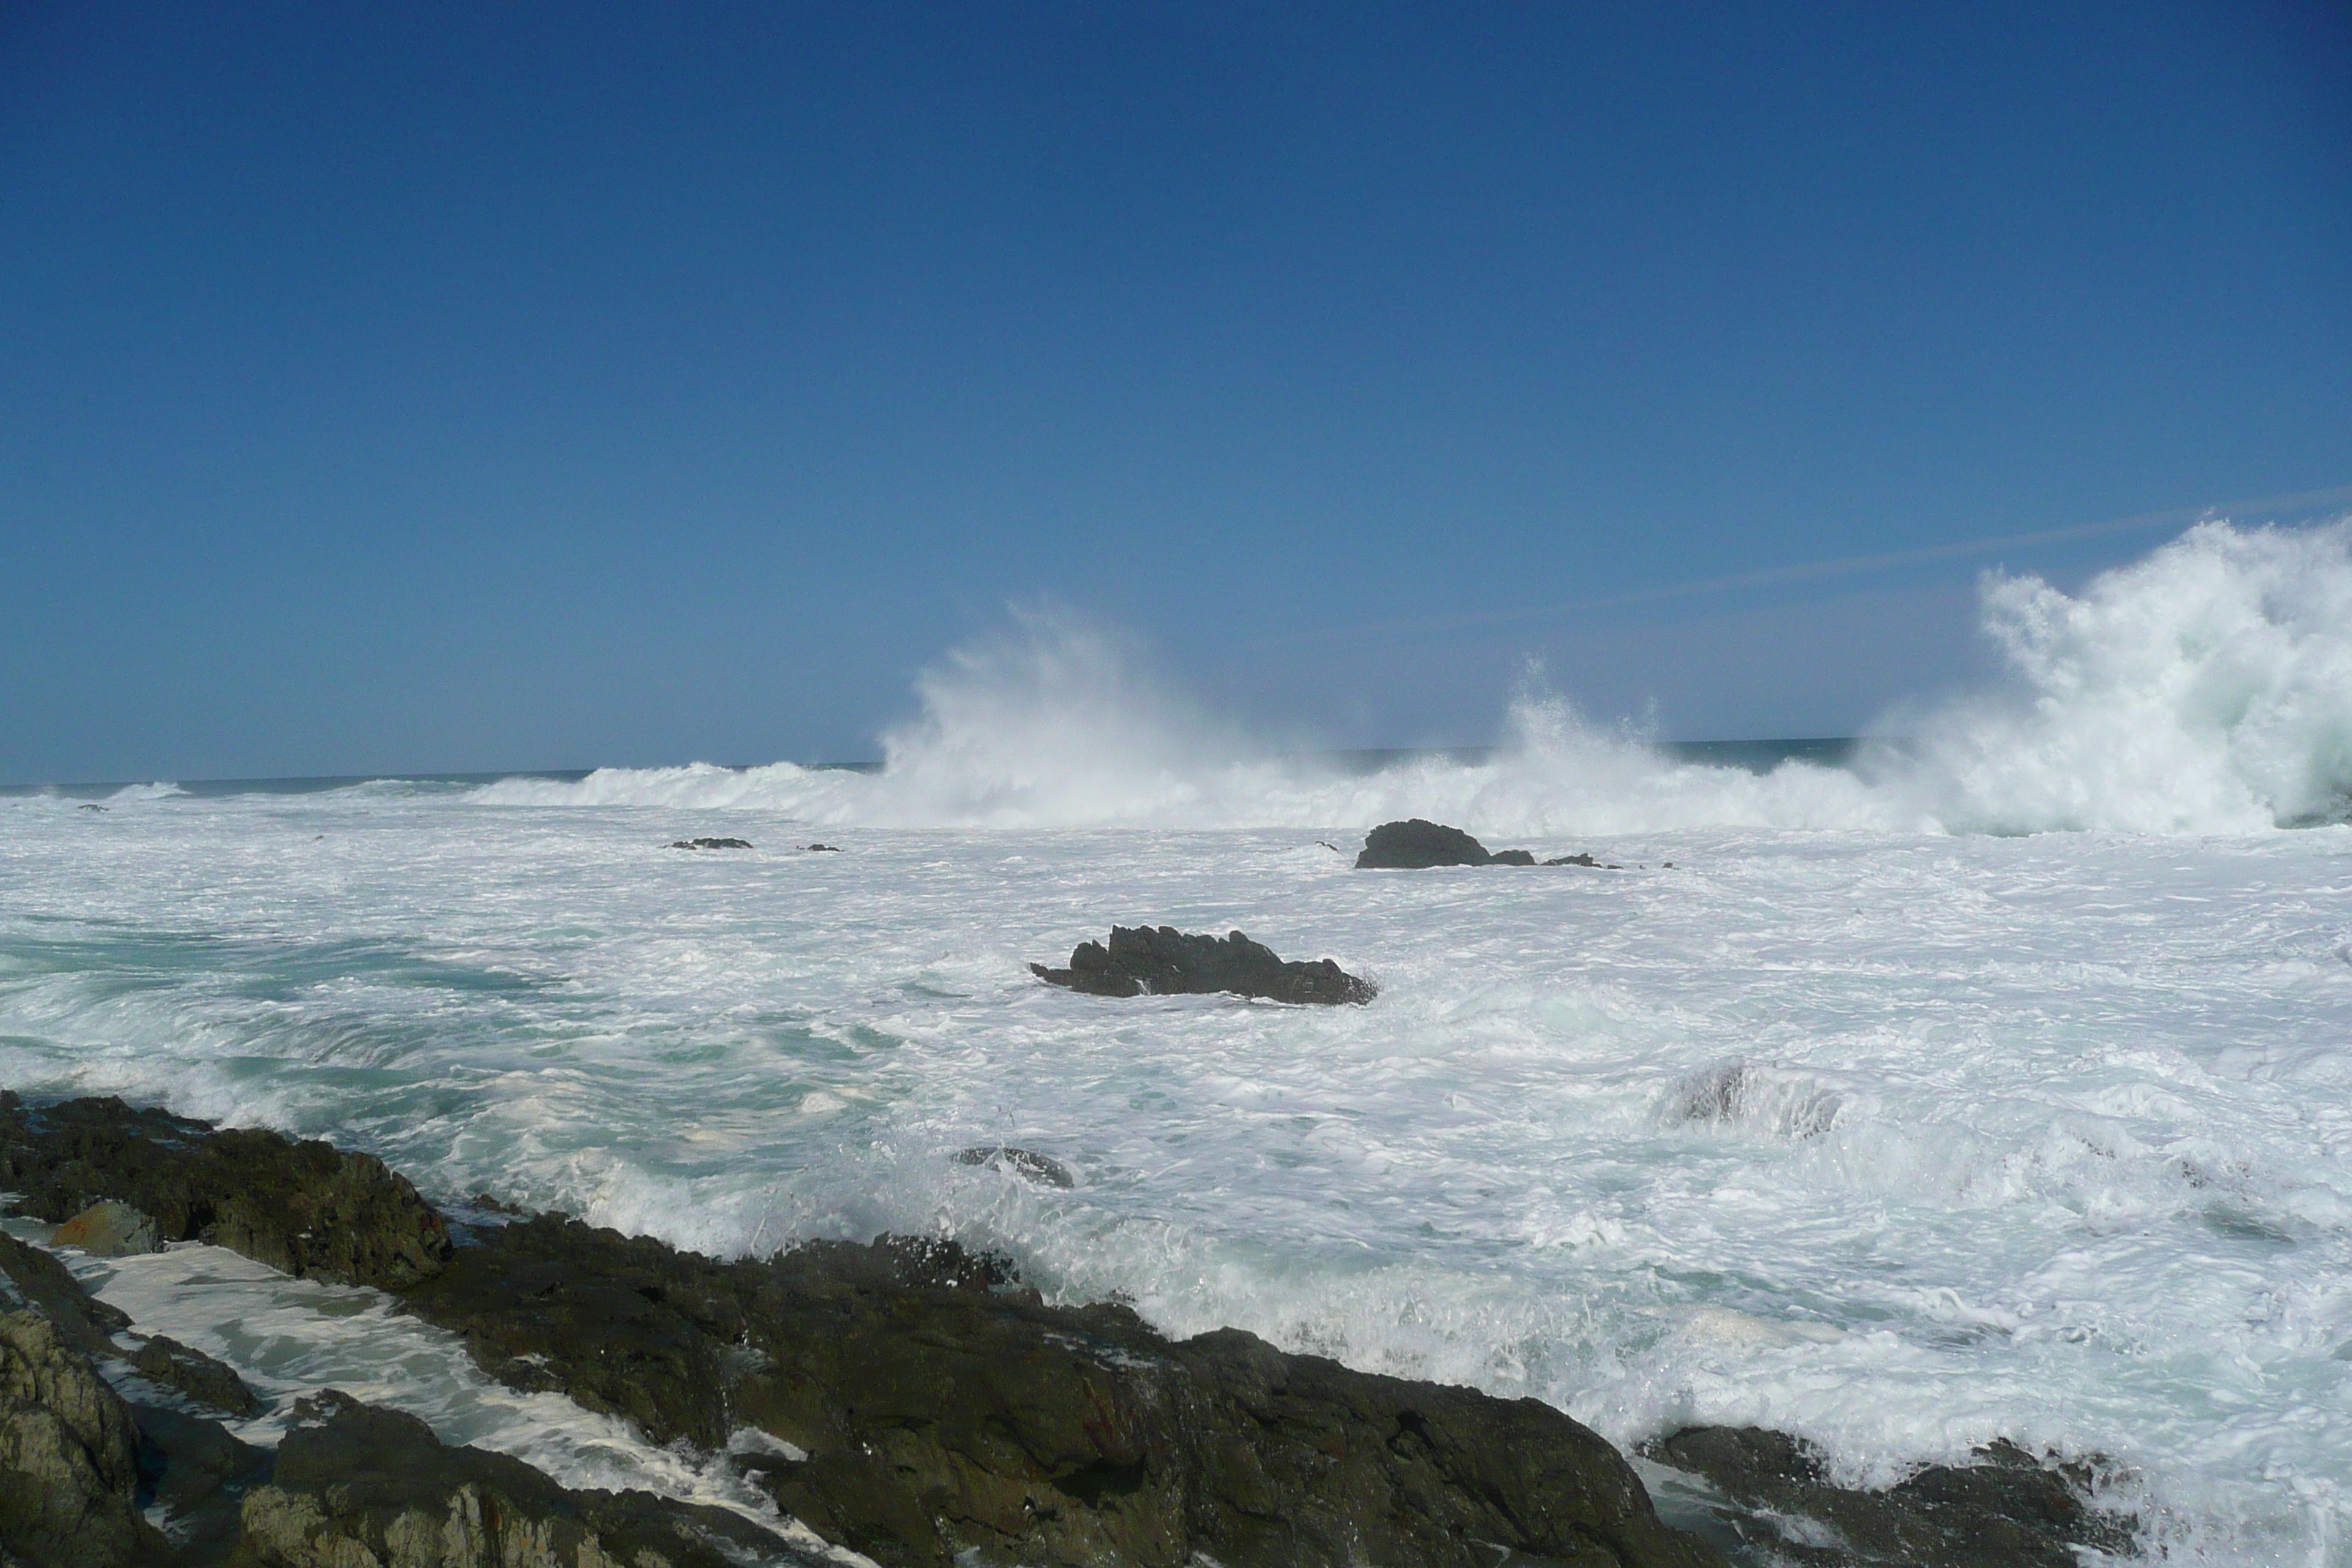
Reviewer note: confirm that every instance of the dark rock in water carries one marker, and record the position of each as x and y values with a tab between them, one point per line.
1417	845
711	844
368	1484
2008	1510
1025	1162
1166	962
306	1209
186	1370
824	849
89	808
68	1458
944	1412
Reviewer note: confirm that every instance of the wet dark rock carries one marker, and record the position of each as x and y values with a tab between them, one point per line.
2008	1510
944	1409
1418	844
198	1473
824	849
37	1280
710	844
1026	1163
188	1372
368	1484
68	1456
89	808
304	1208
1165	962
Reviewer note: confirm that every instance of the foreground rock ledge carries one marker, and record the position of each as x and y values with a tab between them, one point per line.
918	1403
1165	962
942	1408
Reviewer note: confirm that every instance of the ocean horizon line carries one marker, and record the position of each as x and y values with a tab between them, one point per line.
1758	755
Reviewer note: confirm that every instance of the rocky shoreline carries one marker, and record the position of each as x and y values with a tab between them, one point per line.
906	1400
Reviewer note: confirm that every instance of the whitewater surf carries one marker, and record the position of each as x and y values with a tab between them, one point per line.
1997	1084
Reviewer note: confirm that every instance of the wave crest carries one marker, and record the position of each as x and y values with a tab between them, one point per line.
2205	688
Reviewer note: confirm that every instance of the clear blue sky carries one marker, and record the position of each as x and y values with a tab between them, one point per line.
389	388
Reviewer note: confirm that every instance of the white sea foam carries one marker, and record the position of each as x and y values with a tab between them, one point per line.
1900	1138
2207	688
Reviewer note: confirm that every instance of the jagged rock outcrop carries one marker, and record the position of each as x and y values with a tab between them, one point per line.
2008	1510
68	1456
365	1486
37	1280
943	1409
711	844
305	1208
1165	962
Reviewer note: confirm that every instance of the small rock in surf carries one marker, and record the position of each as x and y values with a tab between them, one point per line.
711	844
824	848
1166	962
1026	1163
1416	844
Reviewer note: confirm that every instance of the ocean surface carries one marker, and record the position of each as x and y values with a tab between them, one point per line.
1997	1083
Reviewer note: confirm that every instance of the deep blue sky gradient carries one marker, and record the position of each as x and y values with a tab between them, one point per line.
415	388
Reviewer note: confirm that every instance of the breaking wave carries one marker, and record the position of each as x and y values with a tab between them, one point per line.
2205	688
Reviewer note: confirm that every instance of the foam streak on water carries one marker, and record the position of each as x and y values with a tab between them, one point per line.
1852	1124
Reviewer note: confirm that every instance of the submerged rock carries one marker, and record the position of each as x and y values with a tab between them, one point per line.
108	1228
2008	1510
365	1484
711	844
1026	1163
1166	962
822	848
304	1208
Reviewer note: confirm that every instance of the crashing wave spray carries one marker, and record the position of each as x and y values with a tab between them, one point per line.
2207	688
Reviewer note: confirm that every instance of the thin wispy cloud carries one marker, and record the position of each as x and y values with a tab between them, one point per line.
2252	508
